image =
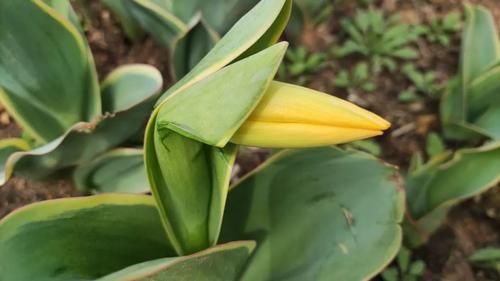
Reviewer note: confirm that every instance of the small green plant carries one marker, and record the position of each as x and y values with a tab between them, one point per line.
381	40
470	111
423	83
358	80
405	269
195	226
300	64
487	258
440	30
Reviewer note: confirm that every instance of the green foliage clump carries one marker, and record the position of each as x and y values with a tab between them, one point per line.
379	39
439	30
423	83
357	80
405	268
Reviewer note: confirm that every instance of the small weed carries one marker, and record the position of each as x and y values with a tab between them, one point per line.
423	83
358	80
300	64
381	40
440	29
405	269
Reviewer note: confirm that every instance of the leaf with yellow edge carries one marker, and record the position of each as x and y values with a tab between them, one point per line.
211	110
47	79
256	24
80	238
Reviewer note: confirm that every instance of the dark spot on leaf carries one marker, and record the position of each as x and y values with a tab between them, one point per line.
322	196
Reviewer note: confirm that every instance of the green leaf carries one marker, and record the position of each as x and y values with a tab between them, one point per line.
483	92
129	24
305	210
404	259
452	114
80	238
84	141
7	148
66	10
129	85
119	170
158	21
405	53
470	172
369	86
342	79
369	146
434	145
189	180
222	14
361	72
51	84
417	268
236	88
191	48
222	262
390	274
451	22
486	255
480	48
242	36
489	122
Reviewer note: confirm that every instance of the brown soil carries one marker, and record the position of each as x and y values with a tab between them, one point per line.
470	225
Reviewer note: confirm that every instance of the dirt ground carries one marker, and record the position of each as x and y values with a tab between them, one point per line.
470	225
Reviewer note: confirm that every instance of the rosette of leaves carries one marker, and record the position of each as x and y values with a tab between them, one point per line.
48	83
439	30
301	210
381	40
188	29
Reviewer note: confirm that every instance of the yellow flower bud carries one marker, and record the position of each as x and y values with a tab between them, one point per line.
291	116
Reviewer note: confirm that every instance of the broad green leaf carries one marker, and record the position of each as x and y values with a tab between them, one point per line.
158	21
222	14
483	92
7	148
242	36
119	170
191	48
129	24
66	10
220	263
51	83
480	45
479	51
274	32
470	172
313	216
452	114
80	238
128	86
195	112
489	121
189	181
84	141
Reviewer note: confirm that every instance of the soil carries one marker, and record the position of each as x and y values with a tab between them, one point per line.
470	225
